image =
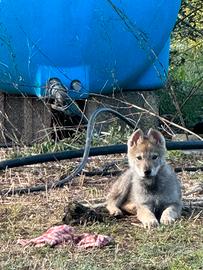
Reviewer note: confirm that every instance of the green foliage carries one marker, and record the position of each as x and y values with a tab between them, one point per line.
189	23
176	154
114	135
111	136
186	66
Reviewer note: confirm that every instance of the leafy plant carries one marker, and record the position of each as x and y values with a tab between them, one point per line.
186	66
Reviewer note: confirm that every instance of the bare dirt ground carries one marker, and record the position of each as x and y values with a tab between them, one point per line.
179	246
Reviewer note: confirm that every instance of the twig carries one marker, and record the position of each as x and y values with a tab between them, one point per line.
190	94
176	104
197	188
164	120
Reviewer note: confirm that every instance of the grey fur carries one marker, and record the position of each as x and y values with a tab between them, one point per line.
155	198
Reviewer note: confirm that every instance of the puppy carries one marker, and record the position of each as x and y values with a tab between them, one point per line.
149	188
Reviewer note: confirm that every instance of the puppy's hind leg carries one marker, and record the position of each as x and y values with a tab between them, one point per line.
118	195
113	209
115	200
129	207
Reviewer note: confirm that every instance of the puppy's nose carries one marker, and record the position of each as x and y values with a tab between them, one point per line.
147	172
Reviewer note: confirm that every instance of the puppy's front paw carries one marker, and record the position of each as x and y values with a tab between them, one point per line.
168	217
149	223
167	220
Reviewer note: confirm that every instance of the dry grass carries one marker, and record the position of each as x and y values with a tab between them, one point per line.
175	247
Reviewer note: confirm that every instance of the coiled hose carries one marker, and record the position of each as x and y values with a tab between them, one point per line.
67	179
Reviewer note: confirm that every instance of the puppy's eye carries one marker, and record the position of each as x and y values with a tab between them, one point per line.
154	157
139	158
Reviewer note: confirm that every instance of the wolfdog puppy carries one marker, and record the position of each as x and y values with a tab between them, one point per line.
149	188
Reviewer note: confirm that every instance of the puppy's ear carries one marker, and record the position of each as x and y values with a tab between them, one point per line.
156	137
136	138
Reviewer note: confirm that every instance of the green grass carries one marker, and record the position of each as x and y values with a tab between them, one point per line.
176	247
135	249
169	247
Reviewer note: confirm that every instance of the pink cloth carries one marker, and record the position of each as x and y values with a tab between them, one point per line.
58	235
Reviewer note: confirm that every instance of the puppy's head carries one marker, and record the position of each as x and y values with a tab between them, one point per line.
146	154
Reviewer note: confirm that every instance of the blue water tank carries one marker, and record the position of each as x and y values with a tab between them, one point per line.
106	44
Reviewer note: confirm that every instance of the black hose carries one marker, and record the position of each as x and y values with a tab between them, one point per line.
84	153
118	172
94	151
188	169
67	179
57	156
